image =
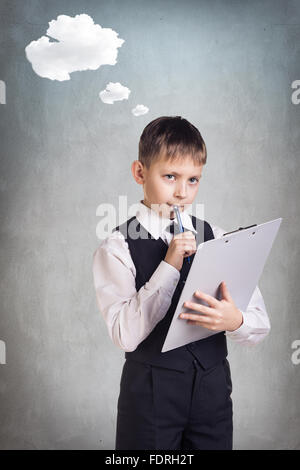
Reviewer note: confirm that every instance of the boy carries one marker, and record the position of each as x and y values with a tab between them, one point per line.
179	399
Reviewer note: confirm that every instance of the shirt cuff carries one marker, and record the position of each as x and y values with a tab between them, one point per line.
241	332
165	276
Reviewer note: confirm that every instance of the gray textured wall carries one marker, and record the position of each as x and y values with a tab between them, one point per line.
227	66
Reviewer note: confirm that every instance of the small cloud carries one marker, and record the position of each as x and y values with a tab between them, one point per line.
114	92
139	110
79	44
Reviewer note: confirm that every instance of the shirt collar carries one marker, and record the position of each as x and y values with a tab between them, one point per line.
155	224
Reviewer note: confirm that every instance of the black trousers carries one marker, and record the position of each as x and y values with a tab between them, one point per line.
167	409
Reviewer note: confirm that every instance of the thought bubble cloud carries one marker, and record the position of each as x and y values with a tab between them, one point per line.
79	44
114	92
139	110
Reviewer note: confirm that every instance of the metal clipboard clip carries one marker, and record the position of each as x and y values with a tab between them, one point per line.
241	228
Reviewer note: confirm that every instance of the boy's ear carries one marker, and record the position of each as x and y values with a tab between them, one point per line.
138	171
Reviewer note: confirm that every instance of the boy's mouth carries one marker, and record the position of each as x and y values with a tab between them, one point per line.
178	205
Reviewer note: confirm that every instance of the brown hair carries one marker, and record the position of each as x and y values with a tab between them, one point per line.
171	137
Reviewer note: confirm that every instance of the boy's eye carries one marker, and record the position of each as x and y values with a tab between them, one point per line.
193	182
169	175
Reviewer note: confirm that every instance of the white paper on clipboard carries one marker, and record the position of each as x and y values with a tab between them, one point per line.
238	259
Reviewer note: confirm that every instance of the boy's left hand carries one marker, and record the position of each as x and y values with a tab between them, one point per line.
221	315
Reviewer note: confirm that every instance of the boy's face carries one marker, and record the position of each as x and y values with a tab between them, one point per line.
168	182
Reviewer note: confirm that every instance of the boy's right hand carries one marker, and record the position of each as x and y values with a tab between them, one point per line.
182	245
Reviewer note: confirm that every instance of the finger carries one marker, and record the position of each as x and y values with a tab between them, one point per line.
208	326
225	292
184	235
188	234
187	250
200	320
191	251
185	241
212	302
198	307
203	319
189	244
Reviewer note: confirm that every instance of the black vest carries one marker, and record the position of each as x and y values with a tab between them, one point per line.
147	253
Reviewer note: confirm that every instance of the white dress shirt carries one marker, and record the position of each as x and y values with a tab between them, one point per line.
130	316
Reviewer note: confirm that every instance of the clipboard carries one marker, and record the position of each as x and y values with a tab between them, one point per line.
238	258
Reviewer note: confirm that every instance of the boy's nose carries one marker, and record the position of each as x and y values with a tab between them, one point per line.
180	192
